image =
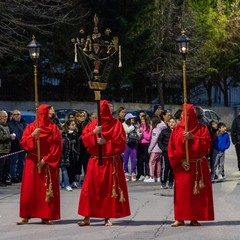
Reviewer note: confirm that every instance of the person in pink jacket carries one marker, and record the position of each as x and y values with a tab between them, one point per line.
142	151
154	151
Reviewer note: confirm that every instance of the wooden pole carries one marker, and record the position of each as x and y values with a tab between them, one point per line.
98	98
37	119
185	104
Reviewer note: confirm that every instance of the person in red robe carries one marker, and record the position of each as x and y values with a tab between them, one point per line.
104	192
193	199
40	196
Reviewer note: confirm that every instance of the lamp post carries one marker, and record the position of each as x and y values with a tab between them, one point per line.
183	44
97	54
34	52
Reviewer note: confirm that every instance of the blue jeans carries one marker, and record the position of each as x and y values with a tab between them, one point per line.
65	178
16	164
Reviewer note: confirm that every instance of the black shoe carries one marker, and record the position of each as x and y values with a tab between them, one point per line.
7	182
15	180
164	186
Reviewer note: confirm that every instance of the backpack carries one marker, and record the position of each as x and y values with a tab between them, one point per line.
132	139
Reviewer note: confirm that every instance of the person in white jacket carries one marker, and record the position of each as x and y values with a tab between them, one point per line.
133	134
154	151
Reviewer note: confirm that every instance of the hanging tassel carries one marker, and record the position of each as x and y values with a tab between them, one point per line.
49	193
119	56
196	188
114	194
201	183
75	53
49	189
122	198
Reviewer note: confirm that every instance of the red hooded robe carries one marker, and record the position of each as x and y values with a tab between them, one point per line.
193	199
33	202
104	192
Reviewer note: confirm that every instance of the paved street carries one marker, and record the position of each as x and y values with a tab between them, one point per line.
151	214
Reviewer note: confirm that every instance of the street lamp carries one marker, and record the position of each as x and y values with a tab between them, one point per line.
97	53
183	44
34	52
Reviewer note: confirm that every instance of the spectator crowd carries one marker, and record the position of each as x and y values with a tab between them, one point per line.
145	157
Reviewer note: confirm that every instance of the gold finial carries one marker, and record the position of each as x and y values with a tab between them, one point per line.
95	19
82	30
108	31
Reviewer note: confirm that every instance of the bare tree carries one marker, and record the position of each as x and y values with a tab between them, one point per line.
19	18
167	22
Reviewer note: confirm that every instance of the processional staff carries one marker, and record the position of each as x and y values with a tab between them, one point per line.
34	52
183	44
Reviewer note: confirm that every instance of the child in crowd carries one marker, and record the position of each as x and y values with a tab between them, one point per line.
133	134
221	143
142	151
65	162
167	173
154	151
70	129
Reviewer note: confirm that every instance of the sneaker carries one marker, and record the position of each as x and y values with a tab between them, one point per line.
164	186
158	179
149	180
68	188
127	177
141	178
133	178
170	185
74	185
220	177
146	178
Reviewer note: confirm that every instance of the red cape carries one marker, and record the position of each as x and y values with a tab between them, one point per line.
104	192
187	205
33	189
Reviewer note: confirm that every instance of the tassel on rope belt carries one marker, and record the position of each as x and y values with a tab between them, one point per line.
48	181
198	185
116	183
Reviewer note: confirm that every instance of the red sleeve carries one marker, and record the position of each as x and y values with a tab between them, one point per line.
115	142
27	142
55	151
199	146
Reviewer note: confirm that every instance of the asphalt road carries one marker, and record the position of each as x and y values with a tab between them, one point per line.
151	214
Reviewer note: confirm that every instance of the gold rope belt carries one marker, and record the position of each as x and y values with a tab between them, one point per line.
193	160
116	182
198	185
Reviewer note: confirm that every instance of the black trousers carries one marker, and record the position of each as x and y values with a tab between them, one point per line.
142	160
3	167
237	148
167	172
